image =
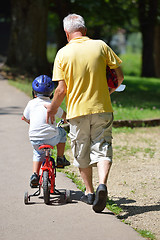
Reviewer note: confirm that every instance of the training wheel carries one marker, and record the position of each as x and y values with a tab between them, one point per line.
26	198
68	196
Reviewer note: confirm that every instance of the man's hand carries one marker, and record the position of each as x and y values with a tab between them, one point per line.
120	78
50	118
111	90
119	75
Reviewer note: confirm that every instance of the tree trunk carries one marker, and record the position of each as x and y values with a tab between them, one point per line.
27	48
157	50
147	18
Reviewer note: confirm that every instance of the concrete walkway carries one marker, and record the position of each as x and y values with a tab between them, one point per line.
72	221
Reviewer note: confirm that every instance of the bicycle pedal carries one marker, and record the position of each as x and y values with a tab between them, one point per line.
60	166
34	186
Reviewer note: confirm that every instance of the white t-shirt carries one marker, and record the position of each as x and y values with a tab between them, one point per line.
36	113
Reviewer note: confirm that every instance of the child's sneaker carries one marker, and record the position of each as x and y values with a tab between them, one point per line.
34	180
62	162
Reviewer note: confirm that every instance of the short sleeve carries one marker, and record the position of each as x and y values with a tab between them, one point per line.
58	73
113	61
26	112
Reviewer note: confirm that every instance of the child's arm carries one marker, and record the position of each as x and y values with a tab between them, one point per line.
25	119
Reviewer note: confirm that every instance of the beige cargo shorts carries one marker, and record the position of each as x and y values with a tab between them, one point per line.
91	139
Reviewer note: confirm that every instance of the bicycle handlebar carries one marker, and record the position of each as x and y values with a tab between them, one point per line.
61	122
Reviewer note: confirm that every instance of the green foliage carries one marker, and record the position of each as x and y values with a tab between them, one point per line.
113	207
51	52
124	130
102	17
53	24
146	234
131	64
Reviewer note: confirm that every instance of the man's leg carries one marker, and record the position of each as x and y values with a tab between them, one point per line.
101	192
86	174
80	142
103	171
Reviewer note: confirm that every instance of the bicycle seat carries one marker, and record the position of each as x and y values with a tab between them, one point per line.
45	146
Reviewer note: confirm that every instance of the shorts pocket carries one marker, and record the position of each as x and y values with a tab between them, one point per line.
74	148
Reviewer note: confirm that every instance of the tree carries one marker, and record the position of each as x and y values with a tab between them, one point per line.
147	18
99	15
157	50
4	26
27	48
103	16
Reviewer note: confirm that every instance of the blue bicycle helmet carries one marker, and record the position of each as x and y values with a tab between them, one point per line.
43	85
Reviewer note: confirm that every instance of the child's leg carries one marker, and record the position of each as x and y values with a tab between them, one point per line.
61	159
38	157
60	149
36	167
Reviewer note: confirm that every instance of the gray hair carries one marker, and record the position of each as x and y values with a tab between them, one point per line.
73	22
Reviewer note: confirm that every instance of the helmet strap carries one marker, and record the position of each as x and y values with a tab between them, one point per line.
33	94
51	96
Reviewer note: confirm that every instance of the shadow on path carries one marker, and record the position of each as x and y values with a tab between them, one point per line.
11	110
134	210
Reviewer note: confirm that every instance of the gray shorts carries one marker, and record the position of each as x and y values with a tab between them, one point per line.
91	138
39	155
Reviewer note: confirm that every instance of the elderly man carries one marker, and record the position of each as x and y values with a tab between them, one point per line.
80	69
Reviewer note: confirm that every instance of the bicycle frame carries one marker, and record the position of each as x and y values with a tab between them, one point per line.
48	166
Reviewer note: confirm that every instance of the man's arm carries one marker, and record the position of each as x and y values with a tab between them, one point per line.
120	78
59	95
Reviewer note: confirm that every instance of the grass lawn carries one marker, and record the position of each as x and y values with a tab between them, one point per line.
140	99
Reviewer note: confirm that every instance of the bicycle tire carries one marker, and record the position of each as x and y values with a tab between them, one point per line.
26	198
68	196
46	190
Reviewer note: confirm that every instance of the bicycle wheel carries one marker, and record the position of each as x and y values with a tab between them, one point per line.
68	196
46	190
26	198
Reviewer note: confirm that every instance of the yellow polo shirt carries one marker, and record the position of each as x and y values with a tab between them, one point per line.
82	64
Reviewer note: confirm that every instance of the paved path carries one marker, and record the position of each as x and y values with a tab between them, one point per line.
72	221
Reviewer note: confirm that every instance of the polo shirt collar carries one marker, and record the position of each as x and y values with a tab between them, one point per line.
79	39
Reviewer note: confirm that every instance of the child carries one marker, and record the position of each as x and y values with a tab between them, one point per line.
39	131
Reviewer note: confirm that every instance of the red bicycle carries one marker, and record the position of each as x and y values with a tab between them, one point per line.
47	180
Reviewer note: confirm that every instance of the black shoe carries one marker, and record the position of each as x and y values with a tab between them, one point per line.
34	180
99	203
62	162
89	198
